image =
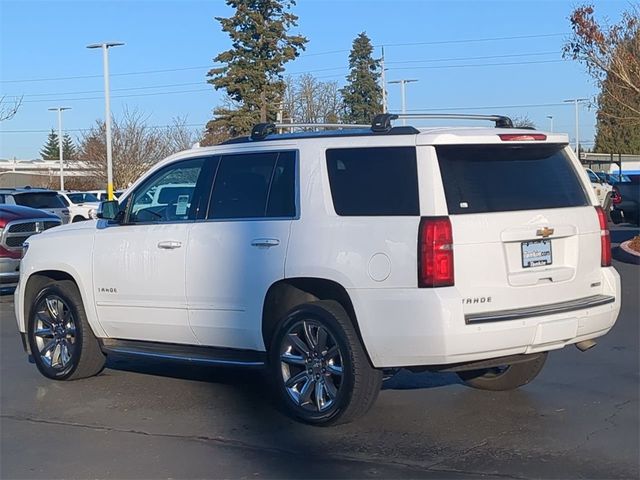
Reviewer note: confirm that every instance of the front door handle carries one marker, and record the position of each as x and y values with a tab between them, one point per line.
265	242
169	245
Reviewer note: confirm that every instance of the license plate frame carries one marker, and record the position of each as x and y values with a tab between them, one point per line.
538	253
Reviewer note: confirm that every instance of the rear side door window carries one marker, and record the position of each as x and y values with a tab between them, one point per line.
254	185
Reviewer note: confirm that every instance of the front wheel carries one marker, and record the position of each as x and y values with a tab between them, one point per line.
321	372
506	377
62	342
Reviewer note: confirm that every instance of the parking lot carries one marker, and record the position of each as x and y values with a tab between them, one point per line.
578	419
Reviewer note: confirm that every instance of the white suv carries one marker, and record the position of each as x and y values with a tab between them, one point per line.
332	257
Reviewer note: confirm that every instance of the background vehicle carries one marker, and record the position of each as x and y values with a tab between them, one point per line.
602	188
626	210
82	205
42	199
331	257
102	194
16	225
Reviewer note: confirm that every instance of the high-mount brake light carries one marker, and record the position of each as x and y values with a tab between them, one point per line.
605	239
435	252
522	137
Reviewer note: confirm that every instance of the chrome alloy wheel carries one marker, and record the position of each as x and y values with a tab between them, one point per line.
54	332
311	365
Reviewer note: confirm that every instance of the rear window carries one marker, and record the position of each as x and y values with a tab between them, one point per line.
500	178
39	200
380	181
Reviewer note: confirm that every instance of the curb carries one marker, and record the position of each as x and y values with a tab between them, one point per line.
624	254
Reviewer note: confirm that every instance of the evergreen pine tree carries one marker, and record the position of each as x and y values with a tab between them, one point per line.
69	149
51	150
251	74
362	96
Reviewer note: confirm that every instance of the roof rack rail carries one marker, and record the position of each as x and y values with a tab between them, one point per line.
382	122
261	130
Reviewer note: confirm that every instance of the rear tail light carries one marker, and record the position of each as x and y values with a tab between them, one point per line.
435	252
522	137
605	239
616	198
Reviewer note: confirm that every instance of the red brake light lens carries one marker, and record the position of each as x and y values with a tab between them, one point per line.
605	239
435	252
522	137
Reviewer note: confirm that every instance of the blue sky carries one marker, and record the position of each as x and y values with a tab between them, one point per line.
170	45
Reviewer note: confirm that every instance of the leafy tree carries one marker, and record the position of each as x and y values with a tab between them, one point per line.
51	149
611	54
252	69
362	96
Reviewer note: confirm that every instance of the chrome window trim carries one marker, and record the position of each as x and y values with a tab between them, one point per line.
541	310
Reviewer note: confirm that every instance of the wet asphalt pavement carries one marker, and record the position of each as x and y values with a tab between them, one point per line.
578	419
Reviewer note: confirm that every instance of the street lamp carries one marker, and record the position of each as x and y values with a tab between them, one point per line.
107	107
577	101
402	93
60	110
550	117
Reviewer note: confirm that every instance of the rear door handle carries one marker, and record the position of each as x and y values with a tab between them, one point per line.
169	245
265	242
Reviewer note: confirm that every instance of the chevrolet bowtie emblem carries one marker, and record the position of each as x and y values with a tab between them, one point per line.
544	232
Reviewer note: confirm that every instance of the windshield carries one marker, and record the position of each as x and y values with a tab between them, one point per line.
82	197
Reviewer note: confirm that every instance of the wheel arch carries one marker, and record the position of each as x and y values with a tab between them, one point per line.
284	295
38	279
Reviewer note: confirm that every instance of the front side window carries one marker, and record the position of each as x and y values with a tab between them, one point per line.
254	185
82	197
169	195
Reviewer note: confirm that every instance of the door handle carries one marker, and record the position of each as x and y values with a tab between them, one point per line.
265	242
169	245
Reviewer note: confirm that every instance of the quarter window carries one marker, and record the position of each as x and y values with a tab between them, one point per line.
381	181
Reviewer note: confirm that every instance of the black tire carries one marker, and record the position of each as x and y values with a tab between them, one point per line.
77	219
354	390
507	377
77	353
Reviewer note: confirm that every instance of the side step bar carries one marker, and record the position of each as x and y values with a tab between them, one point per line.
185	353
538	311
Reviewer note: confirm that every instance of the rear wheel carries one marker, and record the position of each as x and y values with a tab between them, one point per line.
61	340
321	372
78	218
506	377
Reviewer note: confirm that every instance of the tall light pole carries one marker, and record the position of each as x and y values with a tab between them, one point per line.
550	117
107	108
402	83
60	110
576	102
384	83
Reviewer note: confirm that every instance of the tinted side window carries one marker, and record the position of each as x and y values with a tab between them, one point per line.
501	178
282	193
374	181
170	195
255	185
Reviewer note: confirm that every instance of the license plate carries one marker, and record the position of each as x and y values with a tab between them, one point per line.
536	253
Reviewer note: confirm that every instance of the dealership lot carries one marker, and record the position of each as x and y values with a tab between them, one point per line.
579	418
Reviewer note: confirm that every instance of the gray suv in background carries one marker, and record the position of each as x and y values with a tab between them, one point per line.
40	198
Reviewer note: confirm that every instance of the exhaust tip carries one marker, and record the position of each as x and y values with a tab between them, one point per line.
585	345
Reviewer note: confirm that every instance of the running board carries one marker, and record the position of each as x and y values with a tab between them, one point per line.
184	353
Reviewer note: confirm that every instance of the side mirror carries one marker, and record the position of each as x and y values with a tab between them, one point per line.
109	210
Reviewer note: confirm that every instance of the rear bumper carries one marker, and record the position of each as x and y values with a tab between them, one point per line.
423	327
